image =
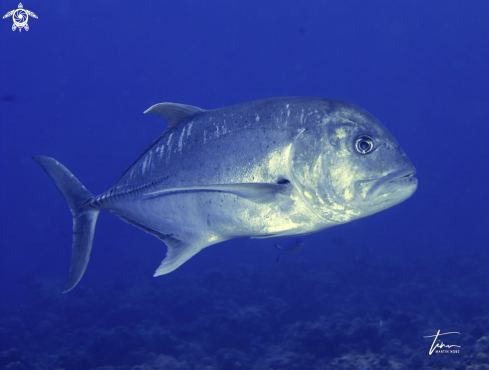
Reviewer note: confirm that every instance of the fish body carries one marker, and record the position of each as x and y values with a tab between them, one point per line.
291	246
271	168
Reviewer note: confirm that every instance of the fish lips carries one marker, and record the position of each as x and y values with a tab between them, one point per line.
401	180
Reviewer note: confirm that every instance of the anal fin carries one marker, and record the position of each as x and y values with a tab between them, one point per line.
178	253
140	226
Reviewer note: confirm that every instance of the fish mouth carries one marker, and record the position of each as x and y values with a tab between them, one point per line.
394	181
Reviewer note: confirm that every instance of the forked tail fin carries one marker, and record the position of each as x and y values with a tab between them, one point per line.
84	217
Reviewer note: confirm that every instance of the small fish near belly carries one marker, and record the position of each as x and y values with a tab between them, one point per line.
291	246
273	168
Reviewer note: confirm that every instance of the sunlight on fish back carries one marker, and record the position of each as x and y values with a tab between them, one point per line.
271	168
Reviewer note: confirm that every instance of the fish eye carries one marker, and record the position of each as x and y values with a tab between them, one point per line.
364	144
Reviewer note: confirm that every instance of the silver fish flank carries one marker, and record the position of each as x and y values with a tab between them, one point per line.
270	168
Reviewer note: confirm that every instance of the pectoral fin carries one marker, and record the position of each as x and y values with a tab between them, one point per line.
256	192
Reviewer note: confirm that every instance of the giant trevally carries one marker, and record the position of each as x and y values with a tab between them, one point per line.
277	167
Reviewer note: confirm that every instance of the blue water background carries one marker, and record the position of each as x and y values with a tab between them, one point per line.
75	87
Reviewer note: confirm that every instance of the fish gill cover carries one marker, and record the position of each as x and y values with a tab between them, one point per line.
368	294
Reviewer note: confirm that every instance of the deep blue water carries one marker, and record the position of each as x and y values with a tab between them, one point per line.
360	296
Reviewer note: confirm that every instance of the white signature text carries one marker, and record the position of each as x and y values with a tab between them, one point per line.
441	345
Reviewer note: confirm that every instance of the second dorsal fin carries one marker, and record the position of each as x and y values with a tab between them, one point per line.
174	113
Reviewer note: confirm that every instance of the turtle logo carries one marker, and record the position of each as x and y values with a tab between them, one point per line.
20	17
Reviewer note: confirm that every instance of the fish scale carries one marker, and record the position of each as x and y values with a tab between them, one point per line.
277	167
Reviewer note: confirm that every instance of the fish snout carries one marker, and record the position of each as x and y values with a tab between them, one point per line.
402	179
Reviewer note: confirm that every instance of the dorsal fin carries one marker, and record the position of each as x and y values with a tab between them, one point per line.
174	113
